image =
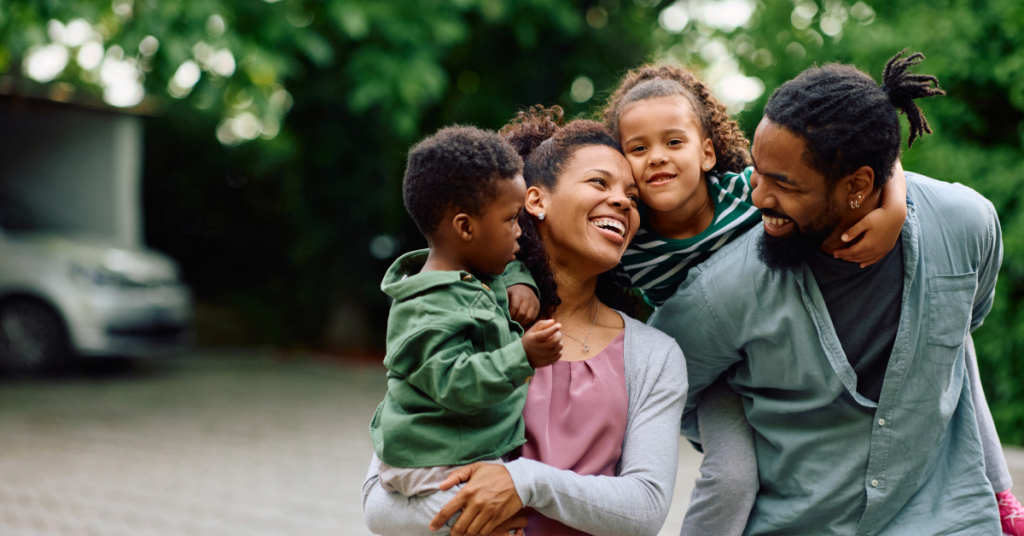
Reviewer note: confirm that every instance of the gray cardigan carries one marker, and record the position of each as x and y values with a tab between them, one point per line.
635	502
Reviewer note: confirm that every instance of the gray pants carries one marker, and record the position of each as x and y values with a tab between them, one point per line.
724	494
392	514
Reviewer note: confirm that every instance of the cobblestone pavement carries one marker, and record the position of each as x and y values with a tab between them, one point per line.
231	443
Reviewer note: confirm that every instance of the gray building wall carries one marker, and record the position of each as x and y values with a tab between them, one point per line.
78	170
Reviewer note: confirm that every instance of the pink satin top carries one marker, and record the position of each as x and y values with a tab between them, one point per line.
576	419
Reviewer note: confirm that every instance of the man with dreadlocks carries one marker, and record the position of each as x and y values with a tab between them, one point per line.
854	380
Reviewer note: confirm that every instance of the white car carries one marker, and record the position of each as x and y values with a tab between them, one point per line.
64	296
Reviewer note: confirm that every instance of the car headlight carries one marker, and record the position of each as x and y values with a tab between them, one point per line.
100	277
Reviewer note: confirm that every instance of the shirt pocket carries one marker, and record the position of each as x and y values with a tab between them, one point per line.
950	304
486	336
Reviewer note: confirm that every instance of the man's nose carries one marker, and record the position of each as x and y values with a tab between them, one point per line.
760	195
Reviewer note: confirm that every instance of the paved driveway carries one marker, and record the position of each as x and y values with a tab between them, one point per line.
227	443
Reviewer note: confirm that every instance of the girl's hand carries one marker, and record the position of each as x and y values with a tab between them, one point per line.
487	501
523	304
881	227
880	230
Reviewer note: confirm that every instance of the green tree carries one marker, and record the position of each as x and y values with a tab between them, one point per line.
276	147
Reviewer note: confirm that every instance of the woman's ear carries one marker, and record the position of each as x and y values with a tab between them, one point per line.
536	201
463	225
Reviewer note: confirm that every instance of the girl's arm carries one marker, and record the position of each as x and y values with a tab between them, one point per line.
881	227
635	502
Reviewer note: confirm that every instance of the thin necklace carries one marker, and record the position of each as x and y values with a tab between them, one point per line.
586	347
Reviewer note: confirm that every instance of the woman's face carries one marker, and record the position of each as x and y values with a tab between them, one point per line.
591	215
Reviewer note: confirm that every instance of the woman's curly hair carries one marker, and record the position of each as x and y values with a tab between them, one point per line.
732	149
546	146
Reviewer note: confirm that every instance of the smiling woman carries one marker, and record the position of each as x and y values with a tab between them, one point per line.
601	423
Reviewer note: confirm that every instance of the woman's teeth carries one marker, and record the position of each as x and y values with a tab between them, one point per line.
610	224
775	222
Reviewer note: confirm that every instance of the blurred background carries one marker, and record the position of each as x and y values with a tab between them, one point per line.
220	174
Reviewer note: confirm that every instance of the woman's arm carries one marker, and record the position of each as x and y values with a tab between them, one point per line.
635	502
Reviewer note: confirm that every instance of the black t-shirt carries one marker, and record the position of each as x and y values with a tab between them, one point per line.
864	304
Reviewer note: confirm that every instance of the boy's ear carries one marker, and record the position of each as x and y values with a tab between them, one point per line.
536	199
710	159
463	225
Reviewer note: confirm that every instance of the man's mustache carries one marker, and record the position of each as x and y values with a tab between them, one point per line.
774	214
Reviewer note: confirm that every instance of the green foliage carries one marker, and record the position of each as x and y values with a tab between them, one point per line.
280	227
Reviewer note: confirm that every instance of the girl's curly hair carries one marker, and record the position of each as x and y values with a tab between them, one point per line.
732	149
546	145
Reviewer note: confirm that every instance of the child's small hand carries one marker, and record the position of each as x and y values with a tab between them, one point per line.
880	229
523	304
543	343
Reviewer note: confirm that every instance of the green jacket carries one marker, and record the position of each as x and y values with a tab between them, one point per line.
457	370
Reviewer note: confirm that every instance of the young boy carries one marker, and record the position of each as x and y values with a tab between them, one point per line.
457	363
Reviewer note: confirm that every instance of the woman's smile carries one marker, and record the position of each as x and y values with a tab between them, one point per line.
611	228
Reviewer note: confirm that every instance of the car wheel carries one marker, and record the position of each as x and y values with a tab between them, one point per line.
32	337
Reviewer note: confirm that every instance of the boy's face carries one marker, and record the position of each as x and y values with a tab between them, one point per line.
497	228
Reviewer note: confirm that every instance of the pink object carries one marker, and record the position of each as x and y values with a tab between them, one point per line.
1011	513
576	419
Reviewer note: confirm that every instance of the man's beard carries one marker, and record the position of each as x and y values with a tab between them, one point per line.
790	251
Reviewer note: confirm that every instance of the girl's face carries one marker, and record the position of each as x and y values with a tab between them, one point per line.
667	151
591	215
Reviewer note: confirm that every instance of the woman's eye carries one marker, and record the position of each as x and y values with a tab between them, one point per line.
597	180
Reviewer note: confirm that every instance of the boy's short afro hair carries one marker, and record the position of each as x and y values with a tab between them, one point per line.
458	167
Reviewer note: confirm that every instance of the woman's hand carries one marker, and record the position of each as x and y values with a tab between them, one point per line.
523	304
487	501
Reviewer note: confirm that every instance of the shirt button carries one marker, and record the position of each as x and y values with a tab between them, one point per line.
874	483
881	422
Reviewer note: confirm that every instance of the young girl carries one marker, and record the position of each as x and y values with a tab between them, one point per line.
692	166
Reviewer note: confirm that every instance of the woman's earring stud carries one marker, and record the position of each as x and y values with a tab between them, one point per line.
540	216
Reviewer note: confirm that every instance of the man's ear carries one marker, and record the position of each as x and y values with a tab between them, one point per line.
861	184
463	225
536	201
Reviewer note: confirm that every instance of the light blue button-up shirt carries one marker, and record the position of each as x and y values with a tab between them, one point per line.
830	460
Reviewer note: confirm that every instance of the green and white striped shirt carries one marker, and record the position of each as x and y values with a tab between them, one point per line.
657	265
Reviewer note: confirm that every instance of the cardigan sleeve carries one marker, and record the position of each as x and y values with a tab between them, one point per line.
636	501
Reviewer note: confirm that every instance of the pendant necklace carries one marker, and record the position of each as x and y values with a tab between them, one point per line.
586	347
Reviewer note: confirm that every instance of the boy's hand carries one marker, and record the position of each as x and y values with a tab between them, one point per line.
543	343
523	304
879	238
